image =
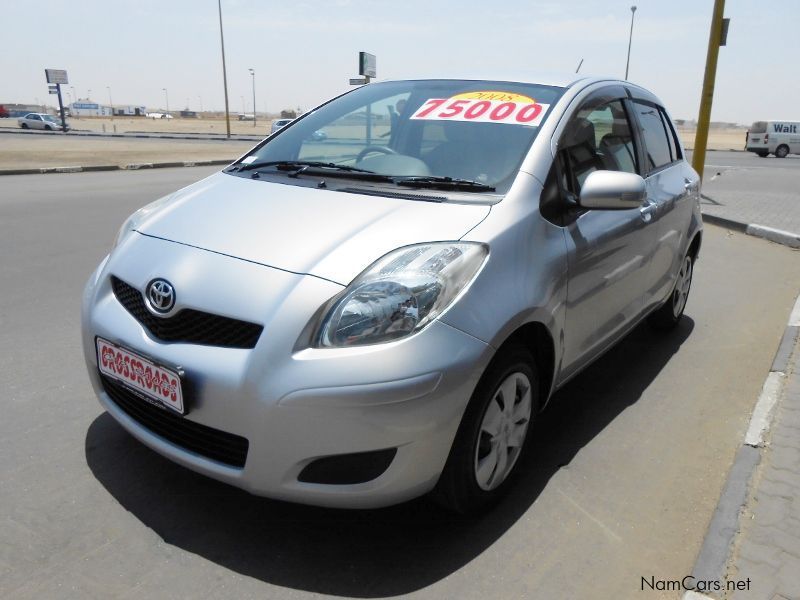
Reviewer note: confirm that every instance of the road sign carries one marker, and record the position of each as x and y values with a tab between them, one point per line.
56	76
367	64
358	81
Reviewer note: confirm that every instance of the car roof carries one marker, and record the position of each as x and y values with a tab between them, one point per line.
556	79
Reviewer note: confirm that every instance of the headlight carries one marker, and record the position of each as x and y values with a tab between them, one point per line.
401	293
138	217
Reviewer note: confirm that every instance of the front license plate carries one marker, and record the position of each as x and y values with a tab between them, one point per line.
154	382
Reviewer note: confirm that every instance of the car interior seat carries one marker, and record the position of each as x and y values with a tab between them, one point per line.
579	148
617	148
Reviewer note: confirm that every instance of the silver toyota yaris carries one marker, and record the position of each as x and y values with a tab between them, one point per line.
358	320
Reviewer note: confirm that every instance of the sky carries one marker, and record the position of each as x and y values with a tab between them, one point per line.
304	51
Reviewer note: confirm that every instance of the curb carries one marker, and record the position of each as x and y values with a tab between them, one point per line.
779	236
717	544
128	167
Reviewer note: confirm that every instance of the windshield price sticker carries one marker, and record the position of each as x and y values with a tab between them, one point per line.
484	107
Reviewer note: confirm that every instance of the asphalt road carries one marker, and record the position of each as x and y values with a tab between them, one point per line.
625	471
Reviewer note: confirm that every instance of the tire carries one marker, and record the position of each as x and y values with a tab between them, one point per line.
48	128
670	314
782	151
472	478
24	125
763	154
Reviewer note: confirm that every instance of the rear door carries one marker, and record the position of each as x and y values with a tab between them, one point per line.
757	138
671	188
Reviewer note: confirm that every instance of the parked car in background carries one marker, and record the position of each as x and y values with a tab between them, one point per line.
40	121
278	124
316	136
247	117
780	138
3	112
359	322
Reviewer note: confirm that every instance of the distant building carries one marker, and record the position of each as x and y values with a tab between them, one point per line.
131	110
188	114
87	108
20	110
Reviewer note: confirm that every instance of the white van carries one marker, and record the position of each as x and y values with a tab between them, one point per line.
774	137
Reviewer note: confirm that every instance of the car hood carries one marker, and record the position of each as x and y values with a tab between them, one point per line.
329	234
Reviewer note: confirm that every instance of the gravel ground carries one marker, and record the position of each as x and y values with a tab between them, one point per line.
142	124
31	151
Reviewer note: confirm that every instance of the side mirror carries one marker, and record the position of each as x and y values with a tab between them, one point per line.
612	190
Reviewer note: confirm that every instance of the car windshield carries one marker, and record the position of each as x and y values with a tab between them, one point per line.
475	132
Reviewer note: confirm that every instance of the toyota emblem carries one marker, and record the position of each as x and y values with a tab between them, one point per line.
160	296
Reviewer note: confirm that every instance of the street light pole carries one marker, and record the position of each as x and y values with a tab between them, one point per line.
630	39
166	96
110	102
253	75
224	72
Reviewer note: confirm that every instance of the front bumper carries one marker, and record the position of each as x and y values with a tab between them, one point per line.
293	405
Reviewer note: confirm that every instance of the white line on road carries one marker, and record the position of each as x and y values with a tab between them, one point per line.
794	318
759	422
592	517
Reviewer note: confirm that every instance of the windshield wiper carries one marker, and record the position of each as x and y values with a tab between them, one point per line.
298	166
444	183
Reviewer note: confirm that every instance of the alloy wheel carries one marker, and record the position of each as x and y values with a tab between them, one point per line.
503	430
682	287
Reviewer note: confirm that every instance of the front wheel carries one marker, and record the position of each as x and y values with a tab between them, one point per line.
782	151
493	433
669	315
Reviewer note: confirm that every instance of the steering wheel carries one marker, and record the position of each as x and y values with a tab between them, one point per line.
371	149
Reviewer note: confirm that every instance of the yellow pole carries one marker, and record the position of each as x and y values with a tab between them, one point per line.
707	97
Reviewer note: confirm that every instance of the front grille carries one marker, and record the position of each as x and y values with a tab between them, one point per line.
217	445
187	325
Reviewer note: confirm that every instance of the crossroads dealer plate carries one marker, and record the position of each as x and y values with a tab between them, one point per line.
154	383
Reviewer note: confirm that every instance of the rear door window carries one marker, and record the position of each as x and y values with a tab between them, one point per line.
658	151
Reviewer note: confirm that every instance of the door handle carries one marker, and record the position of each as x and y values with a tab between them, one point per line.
646	212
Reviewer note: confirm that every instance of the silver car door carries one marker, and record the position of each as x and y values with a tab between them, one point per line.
609	251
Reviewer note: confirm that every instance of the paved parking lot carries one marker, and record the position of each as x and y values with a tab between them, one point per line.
623	477
745	188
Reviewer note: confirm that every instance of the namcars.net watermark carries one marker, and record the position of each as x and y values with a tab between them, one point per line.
690	583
